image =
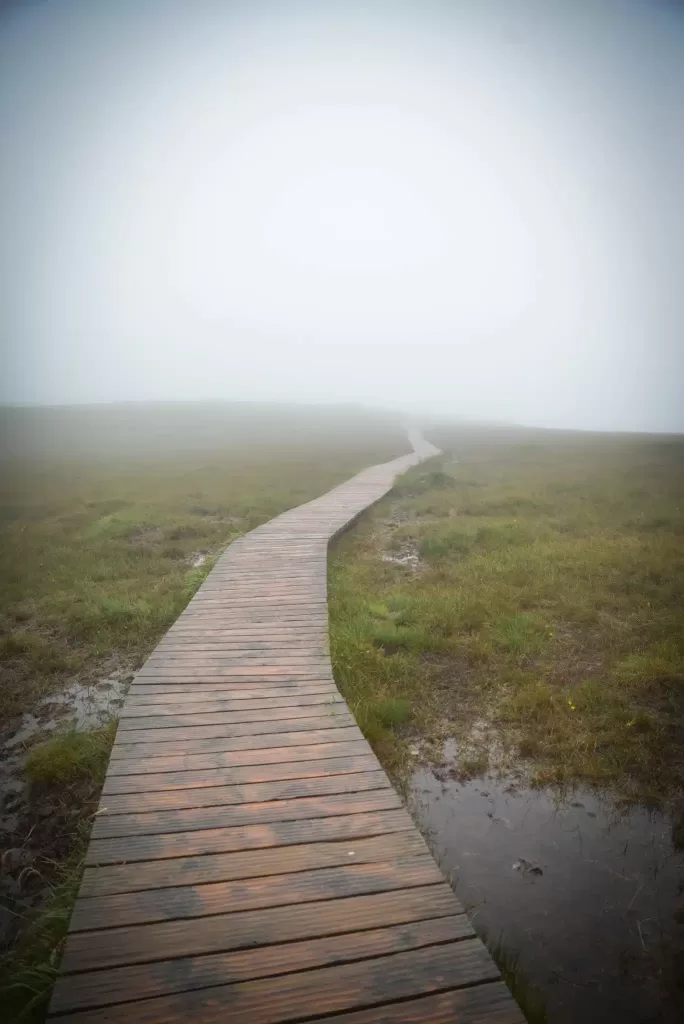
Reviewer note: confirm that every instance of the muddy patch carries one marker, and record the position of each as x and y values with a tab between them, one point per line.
79	706
37	823
196	559
407	557
588	901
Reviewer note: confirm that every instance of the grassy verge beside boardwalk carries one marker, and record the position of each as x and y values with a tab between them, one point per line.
524	593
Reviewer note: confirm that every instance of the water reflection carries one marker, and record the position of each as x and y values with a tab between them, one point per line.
590	900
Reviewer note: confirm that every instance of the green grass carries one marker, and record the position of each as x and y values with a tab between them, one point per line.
71	756
66	771
547	608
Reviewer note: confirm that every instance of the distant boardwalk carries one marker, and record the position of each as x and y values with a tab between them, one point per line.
250	861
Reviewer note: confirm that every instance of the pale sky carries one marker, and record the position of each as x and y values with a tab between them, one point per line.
468	208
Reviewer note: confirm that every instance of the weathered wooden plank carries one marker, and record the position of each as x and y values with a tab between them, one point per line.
236	775
223	867
191	819
230	711
249	736
478	1004
213	796
291	693
187	901
142	981
380	981
235	758
160	737
246	837
86	951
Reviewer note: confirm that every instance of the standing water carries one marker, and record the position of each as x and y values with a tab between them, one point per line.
586	902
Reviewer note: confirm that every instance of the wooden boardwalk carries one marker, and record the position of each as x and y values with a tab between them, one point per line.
250	861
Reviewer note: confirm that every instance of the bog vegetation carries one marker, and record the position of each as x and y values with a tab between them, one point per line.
525	593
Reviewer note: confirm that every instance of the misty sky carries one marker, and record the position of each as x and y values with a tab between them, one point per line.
473	208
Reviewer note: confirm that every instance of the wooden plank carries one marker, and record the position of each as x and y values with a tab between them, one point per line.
246	837
233	776
223	867
192	819
188	901
248	735
217	705
479	1004
291	693
214	796
290	997
87	951
160	737
142	981
236	758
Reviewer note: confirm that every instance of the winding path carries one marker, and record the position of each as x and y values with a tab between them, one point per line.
250	861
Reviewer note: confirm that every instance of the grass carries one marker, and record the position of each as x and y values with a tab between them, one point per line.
66	773
71	756
542	624
110	518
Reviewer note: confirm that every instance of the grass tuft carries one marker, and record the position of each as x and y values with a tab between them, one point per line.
71	756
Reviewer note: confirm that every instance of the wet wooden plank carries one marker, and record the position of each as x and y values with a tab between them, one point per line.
142	981
290	997
235	758
86	951
195	819
479	1004
246	837
288	694
223	867
246	738
213	796
129	741
188	901
232	712
236	775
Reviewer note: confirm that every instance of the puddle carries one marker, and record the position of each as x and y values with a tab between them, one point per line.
407	557
589	900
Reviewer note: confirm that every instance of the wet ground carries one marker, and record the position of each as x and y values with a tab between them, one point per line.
586	901
36	828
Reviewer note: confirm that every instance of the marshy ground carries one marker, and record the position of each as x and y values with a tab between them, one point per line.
110	518
509	623
507	626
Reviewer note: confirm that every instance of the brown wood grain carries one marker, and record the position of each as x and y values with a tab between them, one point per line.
142	981
145	943
192	819
186	901
289	997
223	867
236	775
235	758
293	693
479	1004
159	737
246	837
213	796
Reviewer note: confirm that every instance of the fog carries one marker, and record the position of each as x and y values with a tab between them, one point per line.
466	208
